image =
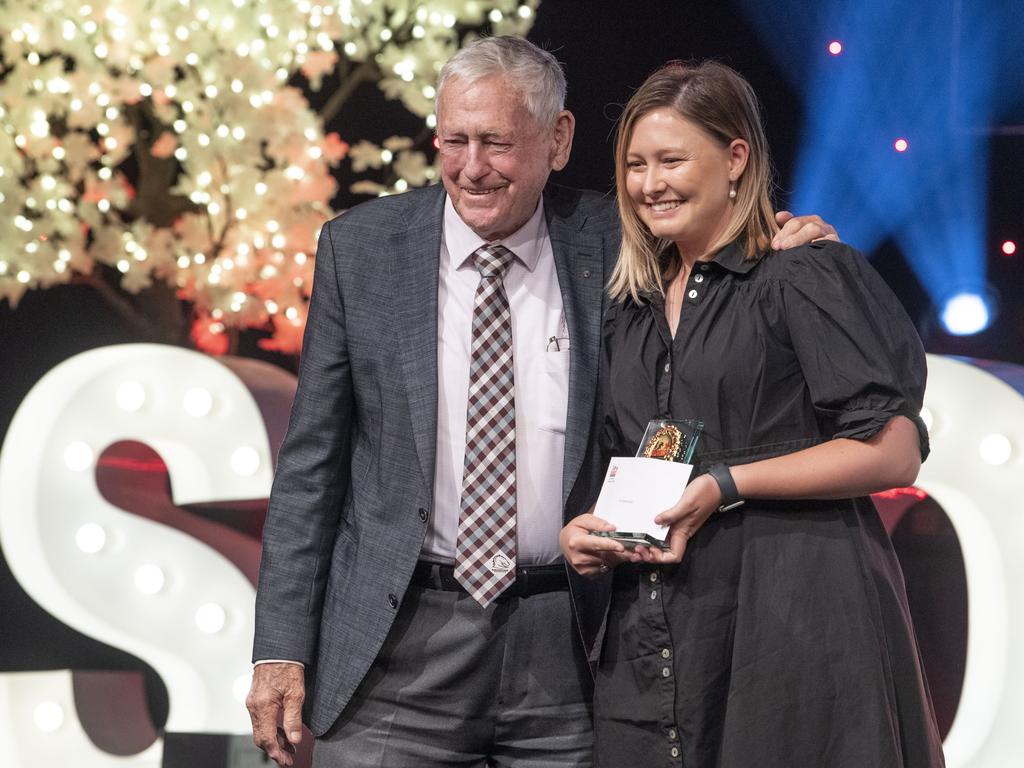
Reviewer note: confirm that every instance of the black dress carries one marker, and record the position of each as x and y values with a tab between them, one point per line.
783	638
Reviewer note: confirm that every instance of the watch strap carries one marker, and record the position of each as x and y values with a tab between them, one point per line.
730	495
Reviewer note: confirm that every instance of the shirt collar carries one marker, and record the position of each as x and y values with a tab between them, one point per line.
525	242
734	258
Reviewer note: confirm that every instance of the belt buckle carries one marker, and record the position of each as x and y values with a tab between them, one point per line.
522	585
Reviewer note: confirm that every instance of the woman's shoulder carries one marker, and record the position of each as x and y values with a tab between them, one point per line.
818	260
624	311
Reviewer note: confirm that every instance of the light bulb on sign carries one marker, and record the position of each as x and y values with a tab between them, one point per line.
928	418
91	538
245	461
995	449
149	579
130	396
211	618
240	688
78	456
198	402
48	716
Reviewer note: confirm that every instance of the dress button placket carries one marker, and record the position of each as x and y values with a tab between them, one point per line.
661	652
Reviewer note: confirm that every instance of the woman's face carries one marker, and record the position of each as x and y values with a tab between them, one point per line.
678	179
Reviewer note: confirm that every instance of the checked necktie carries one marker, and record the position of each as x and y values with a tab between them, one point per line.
485	552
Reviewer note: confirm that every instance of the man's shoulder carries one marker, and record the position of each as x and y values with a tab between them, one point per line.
391	213
593	209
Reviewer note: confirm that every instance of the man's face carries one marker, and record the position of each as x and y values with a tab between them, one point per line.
495	158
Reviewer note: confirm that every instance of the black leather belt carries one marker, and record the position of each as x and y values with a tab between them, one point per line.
530	579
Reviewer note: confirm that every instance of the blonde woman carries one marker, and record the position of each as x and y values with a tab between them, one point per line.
775	630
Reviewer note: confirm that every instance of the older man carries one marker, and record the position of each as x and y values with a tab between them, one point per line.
438	441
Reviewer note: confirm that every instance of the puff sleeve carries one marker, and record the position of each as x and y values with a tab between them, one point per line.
860	354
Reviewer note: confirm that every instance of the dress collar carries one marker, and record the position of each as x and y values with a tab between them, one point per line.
732	257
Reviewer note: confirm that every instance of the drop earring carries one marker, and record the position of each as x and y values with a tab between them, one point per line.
732	190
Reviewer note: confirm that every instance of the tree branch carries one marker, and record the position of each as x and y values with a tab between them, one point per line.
368	70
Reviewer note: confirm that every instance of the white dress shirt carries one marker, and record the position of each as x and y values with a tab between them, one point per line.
540	354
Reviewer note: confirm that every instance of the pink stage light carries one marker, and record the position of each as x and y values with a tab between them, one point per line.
835	47
1009	247
900	145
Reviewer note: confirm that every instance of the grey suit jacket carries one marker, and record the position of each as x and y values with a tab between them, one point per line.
353	491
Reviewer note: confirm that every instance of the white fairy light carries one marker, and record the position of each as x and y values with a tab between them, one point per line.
185	61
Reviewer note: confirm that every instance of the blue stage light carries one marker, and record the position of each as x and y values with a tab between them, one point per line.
904	79
966	313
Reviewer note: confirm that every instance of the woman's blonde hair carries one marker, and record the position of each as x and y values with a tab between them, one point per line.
718	100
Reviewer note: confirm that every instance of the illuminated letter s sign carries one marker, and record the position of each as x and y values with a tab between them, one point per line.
149	589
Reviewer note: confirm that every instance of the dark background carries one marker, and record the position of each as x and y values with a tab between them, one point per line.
608	48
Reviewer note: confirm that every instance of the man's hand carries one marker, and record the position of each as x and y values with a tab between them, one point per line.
590	555
277	692
800	230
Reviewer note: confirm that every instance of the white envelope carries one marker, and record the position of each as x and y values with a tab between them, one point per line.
636	489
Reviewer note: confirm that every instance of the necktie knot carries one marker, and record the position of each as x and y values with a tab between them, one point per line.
493	260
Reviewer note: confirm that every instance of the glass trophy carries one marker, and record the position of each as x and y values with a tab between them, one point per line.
634	493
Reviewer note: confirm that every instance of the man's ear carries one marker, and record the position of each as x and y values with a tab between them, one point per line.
565	126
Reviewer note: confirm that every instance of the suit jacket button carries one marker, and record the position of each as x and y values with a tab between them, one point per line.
423	514
586	273
392	600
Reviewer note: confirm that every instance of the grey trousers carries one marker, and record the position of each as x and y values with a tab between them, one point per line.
459	685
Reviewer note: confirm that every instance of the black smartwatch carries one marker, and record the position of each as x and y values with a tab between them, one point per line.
730	496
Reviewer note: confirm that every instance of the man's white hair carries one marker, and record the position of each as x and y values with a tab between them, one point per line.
535	73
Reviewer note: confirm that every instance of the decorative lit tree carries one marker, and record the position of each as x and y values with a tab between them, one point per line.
152	143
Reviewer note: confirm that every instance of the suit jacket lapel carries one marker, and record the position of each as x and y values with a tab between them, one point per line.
580	267
415	260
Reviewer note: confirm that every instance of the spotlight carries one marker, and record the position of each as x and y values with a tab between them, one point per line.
835	47
1009	247
900	145
965	314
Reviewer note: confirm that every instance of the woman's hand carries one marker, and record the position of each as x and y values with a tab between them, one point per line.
590	555
700	499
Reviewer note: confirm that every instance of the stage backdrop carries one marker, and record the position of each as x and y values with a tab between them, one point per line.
133	482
